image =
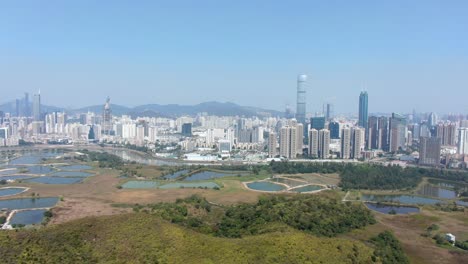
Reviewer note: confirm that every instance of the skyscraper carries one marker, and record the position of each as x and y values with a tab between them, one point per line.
299	138
272	142
358	142
429	151
313	143
334	128
107	118
288	145
37	107
301	99
363	111
317	122
329	111
346	143
323	143
372	141
397	133
463	141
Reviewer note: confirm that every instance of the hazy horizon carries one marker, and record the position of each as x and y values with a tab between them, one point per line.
405	54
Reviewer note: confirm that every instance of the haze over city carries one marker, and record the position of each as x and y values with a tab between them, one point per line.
407	55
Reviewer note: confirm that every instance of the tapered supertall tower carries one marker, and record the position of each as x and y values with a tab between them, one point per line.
301	99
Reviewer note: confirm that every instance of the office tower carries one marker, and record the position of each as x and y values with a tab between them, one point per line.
463	141
313	143
323	143
363	109
37	107
424	130
345	143
334	128
429	151
373	135
299	138
432	121
329	111
416	131
26	110
384	134
187	129
18	108
107	118
4	133
272	142
317	122
301	98
397	133
288	145
358	142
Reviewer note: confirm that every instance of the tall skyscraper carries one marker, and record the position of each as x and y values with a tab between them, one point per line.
363	109
463	141
313	143
384	134
26	110
346	143
334	128
288	145
429	151
301	99
432	121
107	118
323	143
272	142
299	138
373	134
37	107
447	133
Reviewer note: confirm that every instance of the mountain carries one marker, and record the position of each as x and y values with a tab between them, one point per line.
170	110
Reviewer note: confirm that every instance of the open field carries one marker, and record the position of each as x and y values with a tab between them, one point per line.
324	179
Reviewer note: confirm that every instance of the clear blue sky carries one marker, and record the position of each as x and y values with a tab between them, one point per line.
404	53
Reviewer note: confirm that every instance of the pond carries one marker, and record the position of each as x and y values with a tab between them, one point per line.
26	160
435	191
176	185
140	185
15	177
449	184
308	188
265	186
387	209
26	203
55	180
462	203
206	175
8	171
76	167
28	217
71	174
11	191
289	182
405	199
36	169
175	174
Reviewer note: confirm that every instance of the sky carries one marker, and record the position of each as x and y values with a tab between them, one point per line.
406	54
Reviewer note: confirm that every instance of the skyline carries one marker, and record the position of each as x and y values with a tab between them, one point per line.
406	55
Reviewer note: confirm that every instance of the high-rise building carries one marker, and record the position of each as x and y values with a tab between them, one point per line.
397	139
187	129
107	118
432	121
328	110
299	138
358	142
463	141
384	134
313	143
317	122
288	145
429	151
37	107
301	98
363	109
272	142
324	143
26	110
334	128
447	133
373	135
346	143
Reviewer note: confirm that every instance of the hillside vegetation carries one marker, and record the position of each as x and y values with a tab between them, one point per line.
145	238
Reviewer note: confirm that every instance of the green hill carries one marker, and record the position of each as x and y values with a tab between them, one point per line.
145	238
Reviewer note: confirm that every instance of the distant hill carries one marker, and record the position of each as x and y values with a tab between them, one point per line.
170	110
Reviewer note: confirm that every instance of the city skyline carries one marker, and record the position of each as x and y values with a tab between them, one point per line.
396	51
